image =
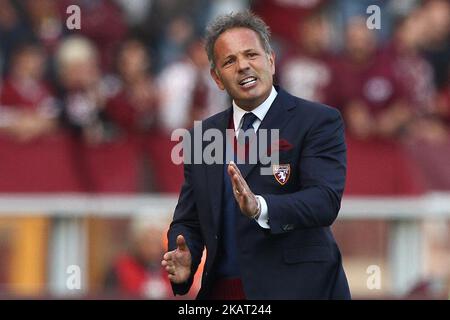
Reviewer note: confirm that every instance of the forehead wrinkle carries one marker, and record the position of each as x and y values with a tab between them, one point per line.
241	51
246	37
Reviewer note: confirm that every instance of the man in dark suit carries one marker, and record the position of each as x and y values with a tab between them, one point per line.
266	236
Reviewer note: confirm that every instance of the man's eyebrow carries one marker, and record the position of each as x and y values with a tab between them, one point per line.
245	51
229	56
233	55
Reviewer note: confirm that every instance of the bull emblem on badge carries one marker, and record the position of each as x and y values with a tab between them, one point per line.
281	172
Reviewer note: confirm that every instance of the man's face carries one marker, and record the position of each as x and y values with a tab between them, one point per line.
243	68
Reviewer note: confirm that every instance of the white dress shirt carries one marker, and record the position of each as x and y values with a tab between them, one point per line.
260	112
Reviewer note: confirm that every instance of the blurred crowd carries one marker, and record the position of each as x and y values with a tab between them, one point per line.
93	109
136	272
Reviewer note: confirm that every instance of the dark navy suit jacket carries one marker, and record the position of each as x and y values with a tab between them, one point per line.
297	258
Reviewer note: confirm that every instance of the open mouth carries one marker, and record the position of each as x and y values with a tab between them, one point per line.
248	82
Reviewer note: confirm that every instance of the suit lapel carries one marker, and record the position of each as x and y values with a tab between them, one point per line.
276	118
215	172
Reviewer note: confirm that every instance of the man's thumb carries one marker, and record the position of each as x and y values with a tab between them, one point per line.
181	243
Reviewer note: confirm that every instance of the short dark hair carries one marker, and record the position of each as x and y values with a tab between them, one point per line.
244	19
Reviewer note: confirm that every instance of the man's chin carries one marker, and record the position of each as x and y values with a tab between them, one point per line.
247	103
249	95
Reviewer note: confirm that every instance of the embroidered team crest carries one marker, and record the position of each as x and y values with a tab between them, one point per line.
281	172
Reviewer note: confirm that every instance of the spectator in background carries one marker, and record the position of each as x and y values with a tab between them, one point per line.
306	72
283	16
220	7
438	53
428	139
27	107
169	23
416	76
377	114
177	36
83	91
187	92
369	94
103	23
343	11
46	22
443	102
437	46
133	109
436	50
137	273
135	11
413	71
13	31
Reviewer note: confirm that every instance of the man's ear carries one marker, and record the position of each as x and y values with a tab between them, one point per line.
216	78
272	62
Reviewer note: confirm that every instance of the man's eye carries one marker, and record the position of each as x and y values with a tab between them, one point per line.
252	54
227	62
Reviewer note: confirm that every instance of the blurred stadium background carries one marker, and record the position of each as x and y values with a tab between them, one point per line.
87	187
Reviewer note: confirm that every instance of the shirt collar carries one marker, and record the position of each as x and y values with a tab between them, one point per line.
260	111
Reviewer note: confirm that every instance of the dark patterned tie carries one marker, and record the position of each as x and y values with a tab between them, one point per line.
244	138
229	266
249	118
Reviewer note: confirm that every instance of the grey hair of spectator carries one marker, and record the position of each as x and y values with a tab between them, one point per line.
245	19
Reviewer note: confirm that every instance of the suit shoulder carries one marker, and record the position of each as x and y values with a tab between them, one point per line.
304	105
315	110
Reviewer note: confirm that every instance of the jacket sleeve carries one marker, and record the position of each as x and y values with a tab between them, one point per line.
185	222
322	171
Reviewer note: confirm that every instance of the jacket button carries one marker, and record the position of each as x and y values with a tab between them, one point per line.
216	237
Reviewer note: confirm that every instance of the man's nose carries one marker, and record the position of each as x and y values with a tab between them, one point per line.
243	64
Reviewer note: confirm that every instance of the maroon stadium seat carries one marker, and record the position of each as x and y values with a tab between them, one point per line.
380	167
167	176
42	165
111	167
